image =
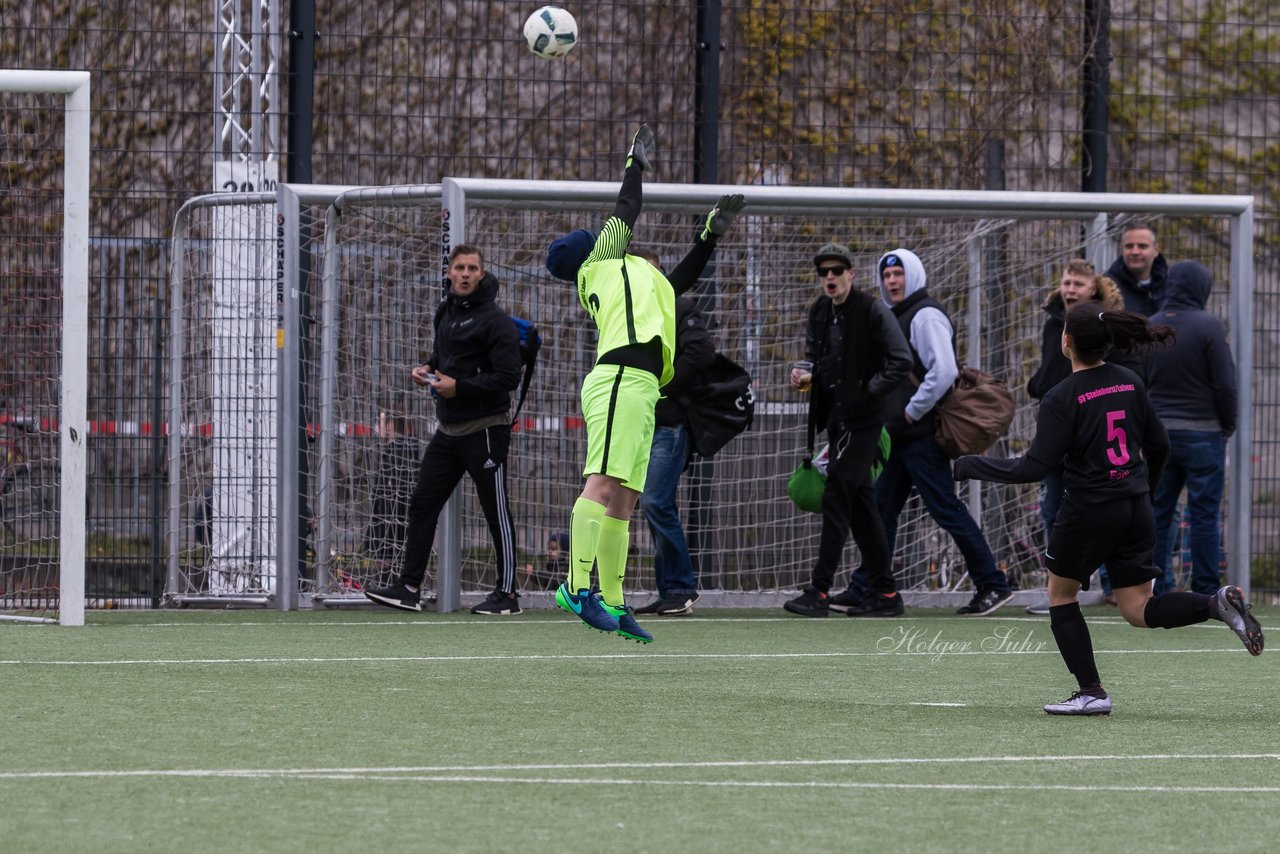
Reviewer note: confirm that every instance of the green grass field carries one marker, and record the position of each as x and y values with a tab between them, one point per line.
740	730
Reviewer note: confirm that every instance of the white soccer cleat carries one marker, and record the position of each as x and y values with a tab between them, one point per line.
1081	704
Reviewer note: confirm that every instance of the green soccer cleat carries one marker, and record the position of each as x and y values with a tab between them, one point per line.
587	606
627	625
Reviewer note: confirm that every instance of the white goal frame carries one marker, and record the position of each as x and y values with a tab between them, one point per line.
73	423
1092	209
456	196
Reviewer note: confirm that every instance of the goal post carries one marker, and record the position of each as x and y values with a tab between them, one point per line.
68	414
991	257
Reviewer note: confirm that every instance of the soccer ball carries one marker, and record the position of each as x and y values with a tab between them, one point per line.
551	32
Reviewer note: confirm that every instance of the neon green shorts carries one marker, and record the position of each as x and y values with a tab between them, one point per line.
617	409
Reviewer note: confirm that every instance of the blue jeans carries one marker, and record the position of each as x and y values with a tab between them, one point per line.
672	566
1197	460
922	464
1050	500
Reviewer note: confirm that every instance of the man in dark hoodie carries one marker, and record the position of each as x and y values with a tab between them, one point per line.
1140	270
1193	387
473	367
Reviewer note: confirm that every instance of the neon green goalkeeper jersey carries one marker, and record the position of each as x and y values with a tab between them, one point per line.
629	299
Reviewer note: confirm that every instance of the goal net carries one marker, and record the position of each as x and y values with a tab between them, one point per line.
990	260
223	357
44	207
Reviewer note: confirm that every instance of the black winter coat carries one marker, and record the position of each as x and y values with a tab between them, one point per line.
859	355
1144	302
1194	378
694	354
477	344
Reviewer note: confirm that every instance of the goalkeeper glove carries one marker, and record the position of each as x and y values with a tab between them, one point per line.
642	149
722	215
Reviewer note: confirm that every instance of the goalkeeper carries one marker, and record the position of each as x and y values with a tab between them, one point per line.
633	306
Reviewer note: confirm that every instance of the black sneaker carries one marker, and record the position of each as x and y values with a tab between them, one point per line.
398	595
498	604
675	606
810	603
651	608
877	605
986	602
845	599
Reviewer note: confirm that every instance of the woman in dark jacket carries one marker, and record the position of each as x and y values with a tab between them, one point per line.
1080	283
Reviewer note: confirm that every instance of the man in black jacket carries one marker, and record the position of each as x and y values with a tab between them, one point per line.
1140	270
1192	385
473	367
859	354
672	565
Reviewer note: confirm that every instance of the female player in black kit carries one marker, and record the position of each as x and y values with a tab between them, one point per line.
1095	422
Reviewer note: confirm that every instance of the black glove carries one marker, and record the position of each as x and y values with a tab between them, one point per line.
722	215
642	150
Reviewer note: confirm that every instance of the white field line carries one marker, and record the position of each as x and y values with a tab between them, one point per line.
477	773
665	622
815	784
627	656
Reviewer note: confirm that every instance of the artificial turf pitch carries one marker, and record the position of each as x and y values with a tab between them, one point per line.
737	730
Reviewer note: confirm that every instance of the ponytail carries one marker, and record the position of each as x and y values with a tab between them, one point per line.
1095	333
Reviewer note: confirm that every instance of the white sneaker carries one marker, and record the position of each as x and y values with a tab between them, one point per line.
1041	607
1081	704
1234	611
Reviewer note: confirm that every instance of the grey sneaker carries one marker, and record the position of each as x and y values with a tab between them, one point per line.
498	604
1081	704
398	595
1234	611
1041	607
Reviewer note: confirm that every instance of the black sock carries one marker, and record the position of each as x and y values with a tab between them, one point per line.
1173	610
1072	634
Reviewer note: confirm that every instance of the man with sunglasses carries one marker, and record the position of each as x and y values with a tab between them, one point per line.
859	354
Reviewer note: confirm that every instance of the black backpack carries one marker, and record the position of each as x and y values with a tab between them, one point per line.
530	344
720	408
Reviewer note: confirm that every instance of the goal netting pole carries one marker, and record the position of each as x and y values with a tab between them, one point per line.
72	420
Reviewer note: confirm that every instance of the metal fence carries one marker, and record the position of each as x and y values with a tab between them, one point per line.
806	93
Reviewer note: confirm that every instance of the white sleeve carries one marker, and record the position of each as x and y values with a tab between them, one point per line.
931	338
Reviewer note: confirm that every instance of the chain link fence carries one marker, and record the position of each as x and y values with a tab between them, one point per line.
801	92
